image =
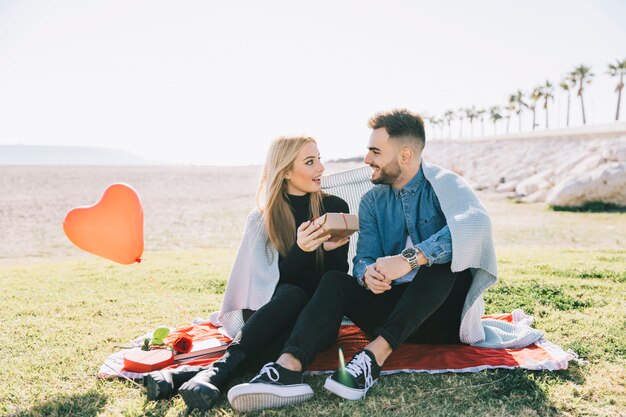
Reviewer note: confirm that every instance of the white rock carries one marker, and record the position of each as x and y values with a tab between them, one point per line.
506	187
571	163
536	197
606	184
589	163
535	183
619	152
517	173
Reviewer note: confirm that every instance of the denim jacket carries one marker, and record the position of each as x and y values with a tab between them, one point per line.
388	216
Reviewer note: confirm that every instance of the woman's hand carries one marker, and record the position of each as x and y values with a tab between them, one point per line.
328	246
308	238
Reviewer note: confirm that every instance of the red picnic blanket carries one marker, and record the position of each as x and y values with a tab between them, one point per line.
542	355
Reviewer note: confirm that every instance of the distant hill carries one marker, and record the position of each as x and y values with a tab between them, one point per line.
66	155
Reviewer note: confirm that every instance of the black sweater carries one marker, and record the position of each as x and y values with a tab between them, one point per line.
300	267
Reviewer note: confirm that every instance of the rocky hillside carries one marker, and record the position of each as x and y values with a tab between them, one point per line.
563	168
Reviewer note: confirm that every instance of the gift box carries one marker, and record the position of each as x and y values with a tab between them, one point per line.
137	360
338	225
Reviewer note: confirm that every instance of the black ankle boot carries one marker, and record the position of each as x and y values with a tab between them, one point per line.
203	390
163	384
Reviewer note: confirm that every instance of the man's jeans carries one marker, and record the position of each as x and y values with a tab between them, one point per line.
426	310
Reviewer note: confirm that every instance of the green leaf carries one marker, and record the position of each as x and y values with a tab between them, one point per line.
161	333
157	342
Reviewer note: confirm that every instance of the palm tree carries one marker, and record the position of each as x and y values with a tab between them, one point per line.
470	113
461	118
547	94
565	84
440	123
582	75
614	71
510	109
535	95
431	122
448	117
517	100
434	123
494	115
480	114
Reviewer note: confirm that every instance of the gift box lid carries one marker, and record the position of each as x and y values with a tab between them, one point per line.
137	360
339	221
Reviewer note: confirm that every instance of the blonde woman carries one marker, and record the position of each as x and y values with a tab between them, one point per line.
278	267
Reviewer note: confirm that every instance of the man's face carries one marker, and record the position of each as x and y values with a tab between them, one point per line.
382	157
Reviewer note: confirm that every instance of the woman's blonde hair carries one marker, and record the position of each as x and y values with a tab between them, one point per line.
272	200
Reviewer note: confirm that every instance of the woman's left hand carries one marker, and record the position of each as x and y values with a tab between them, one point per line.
308	236
328	246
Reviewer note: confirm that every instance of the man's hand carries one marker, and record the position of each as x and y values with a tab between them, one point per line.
392	267
375	281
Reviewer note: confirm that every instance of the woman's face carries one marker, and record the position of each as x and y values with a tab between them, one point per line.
307	169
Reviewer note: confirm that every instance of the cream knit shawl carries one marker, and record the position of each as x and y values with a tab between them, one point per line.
472	248
252	279
472	243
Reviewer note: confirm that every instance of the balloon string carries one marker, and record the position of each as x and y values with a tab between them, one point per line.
164	292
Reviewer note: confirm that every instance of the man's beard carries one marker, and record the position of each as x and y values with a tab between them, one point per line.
388	174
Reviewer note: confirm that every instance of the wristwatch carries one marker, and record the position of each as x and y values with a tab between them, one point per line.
410	254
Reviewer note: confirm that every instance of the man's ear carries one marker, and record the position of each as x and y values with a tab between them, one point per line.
406	155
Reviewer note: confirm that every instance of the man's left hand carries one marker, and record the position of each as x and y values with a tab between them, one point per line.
392	267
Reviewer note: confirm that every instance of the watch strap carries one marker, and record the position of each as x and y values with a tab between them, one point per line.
413	261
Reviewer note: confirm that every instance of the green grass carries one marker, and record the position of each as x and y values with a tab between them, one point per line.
62	319
593	207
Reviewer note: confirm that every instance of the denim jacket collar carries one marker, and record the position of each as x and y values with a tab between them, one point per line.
413	185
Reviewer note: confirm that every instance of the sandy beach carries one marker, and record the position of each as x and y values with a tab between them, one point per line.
195	208
185	207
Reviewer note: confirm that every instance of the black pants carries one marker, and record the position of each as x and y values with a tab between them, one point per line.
266	330
426	310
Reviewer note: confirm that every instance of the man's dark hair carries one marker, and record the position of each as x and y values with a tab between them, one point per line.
401	125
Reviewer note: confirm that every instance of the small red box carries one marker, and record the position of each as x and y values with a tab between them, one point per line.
137	360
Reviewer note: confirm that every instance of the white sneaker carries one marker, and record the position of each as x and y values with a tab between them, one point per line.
273	387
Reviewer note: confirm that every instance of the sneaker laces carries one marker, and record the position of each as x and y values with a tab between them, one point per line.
361	364
270	371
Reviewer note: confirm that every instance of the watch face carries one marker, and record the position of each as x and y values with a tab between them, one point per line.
409	252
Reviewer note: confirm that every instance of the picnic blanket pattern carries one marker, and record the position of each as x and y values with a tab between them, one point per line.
542	355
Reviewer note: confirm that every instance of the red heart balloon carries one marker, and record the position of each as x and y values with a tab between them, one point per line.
111	228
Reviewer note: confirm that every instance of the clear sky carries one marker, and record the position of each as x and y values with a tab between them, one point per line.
213	82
